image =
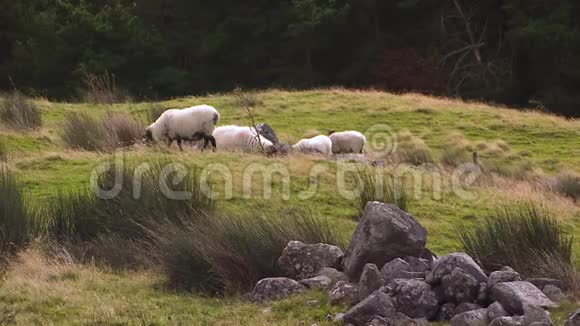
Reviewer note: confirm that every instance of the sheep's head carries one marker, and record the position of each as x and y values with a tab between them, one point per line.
267	132
148	137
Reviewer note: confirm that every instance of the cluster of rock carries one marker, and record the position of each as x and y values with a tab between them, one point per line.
388	277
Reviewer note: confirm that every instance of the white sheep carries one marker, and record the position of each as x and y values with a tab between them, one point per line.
240	138
347	142
193	124
317	144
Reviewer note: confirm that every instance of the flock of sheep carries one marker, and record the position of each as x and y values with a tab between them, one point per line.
201	123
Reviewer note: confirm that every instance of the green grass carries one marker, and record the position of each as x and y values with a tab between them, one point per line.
44	167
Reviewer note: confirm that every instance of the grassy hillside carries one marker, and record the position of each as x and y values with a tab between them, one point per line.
525	150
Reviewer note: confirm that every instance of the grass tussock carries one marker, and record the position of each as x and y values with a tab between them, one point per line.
568	184
122	130
84	132
18	112
14	216
225	253
526	237
125	200
376	184
412	149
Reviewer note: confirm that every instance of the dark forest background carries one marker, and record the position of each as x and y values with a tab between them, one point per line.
520	52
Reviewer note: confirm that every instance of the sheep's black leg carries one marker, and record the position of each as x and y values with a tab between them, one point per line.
169	141
205	142
213	144
179	144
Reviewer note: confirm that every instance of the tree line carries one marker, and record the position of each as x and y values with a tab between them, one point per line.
522	53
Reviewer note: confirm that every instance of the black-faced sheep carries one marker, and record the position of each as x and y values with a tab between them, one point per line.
193	124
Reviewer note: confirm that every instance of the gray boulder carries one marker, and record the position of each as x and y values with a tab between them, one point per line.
506	275
536	316
403	320
483	293
508	321
378	304
317	282
414	298
447	311
417	265
459	286
471	318
465	307
574	319
333	274
370	281
513	296
541	282
554	293
446	264
496	310
300	261
396	268
276	288
384	233
343	292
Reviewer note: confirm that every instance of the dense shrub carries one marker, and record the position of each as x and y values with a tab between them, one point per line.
412	149
523	236
17	112
82	131
13	214
376	184
231	253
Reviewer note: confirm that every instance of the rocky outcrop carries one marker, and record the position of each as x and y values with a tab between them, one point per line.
513	296
384	233
317	282
414	298
471	318
343	292
370	281
446	264
276	288
378	304
300	261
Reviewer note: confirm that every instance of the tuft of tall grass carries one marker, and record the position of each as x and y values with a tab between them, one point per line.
18	112
376	184
412	149
145	196
524	236
82	131
226	253
122	130
14	217
568	184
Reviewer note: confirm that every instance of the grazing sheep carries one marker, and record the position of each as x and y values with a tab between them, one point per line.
347	142
317	144
194	123
240	138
